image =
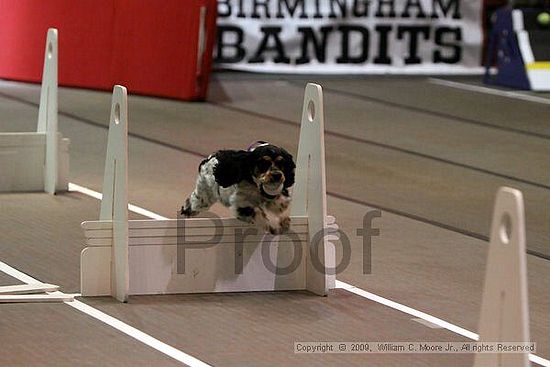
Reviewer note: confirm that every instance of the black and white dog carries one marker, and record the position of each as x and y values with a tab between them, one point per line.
253	183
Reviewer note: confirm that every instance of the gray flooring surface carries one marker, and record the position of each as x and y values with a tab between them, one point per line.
260	330
7	280
57	335
429	156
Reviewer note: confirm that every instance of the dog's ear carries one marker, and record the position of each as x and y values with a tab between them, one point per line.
288	168
233	167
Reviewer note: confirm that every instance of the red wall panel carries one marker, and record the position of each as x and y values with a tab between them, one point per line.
149	46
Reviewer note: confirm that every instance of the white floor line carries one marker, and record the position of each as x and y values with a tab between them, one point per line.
341	285
424	316
138	335
113	322
408	310
98	196
486	90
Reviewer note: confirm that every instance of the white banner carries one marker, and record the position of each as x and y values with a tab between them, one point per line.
350	36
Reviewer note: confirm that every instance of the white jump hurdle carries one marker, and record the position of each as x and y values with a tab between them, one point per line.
504	313
38	161
140	257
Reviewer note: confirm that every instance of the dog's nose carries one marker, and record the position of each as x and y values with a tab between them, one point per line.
276	176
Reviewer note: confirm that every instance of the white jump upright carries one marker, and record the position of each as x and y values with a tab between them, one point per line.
114	203
504	313
38	161
202	255
309	193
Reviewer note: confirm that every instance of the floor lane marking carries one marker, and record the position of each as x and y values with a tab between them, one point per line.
362	293
492	91
111	321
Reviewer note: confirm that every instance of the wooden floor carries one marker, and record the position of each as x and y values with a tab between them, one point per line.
429	156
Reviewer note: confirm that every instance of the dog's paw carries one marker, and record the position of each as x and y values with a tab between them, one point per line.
273	230
186	209
281	228
285	224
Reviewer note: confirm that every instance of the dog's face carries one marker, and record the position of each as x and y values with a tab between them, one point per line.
272	169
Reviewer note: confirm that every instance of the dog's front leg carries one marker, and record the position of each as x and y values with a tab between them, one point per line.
193	205
263	220
257	216
278	214
271	222
201	198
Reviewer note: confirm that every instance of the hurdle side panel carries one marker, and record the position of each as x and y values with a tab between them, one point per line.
504	313
309	192
114	204
95	271
47	113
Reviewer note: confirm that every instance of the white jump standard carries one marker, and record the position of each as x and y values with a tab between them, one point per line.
139	257
38	161
504	315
